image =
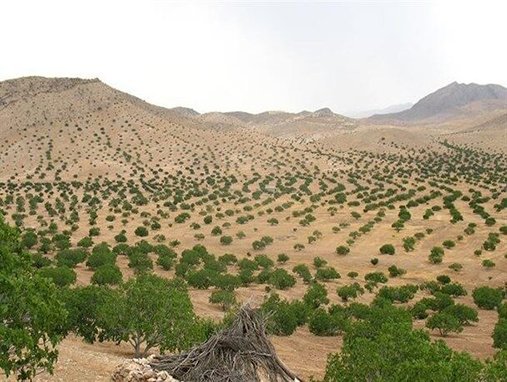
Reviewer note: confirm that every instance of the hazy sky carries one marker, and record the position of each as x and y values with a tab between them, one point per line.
257	56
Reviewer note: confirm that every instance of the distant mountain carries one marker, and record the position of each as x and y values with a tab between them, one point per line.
450	101
387	110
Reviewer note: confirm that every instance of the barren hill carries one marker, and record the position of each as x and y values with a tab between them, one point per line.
449	101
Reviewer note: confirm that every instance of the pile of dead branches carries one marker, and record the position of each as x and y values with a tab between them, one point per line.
240	353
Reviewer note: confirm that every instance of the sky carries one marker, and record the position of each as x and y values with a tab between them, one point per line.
256	56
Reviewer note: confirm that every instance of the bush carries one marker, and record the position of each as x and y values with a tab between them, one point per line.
303	271
282	258
443	279
140	262
348	292
258	245
500	334
107	274
85	242
387	249
319	262
444	323
394	271
141	231
376	277
226	240
282	316
401	294
487	298
226	298
121	237
263	261
322	323
315	296
342	250
165	261
448	244
71	257
436	255
201	279
396	352
62	276
465	314
326	274
281	279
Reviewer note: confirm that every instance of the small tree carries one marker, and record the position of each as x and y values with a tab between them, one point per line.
226	240
387	249
61	275
444	323
141	231
226	298
107	274
342	250
149	311
487	298
281	279
315	296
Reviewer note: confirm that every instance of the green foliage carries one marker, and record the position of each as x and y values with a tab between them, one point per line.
376	277
107	274
463	313
395	352
436	255
141	231
315	296
444	323
387	249
326	274
281	279
487	298
303	271
101	254
323	323
60	275
500	334
342	250
394	271
226	240
282	317
71	257
348	292
226	298
25	294
83	304
149	311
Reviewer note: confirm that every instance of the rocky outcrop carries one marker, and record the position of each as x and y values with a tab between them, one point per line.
139	370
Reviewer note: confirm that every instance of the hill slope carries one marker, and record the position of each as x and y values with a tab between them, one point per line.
449	101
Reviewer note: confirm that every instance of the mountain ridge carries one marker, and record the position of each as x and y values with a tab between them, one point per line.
448	101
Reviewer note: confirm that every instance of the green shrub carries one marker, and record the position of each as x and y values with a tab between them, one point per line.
281	279
387	249
62	275
226	298
107	274
487	298
342	250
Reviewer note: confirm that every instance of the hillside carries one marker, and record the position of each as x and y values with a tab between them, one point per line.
258	199
449	102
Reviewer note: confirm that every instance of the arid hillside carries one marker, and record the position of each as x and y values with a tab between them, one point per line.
306	197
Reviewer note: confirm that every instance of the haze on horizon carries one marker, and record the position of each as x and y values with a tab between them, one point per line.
349	56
